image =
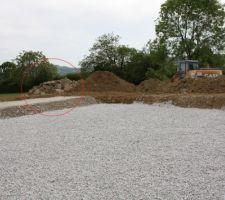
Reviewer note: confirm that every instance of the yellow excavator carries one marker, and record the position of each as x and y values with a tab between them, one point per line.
188	69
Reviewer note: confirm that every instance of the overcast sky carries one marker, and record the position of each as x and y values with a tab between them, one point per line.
66	29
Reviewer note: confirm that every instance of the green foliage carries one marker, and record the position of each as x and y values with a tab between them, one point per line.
7	69
73	76
136	69
103	54
192	29
30	68
34	69
7	77
162	66
185	29
161	73
108	55
77	76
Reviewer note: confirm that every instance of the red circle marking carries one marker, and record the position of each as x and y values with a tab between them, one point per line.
38	111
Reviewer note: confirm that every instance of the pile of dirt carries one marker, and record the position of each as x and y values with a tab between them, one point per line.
103	81
201	85
153	86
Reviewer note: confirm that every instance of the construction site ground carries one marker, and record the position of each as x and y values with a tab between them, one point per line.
108	88
213	101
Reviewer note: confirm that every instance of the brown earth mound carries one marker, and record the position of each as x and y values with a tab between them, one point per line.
201	85
103	81
153	86
204	85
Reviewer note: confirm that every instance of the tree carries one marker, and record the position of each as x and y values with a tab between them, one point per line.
108	55
189	27
103	54
7	77
125	56
33	69
162	66
7	69
136	68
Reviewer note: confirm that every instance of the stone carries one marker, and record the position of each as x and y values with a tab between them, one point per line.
37	92
66	81
58	86
59	91
67	87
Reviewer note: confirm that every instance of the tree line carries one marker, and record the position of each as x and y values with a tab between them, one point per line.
28	69
185	29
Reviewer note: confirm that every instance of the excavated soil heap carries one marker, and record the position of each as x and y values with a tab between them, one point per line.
204	85
103	81
153	86
201	85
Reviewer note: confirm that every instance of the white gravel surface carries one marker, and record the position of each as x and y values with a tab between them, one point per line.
115	152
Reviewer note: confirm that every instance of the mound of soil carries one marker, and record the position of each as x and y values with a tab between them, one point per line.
103	81
153	86
201	85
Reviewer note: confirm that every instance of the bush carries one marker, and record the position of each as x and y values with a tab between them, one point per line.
73	76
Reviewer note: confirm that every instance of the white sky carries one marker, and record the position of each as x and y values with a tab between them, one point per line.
66	29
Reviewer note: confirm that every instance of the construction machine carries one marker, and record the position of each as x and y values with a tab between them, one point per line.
188	69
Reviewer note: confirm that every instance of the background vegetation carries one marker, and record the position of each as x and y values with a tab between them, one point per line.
185	29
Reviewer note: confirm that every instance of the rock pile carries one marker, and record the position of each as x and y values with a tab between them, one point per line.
54	87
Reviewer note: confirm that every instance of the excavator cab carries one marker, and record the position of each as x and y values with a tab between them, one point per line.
187	69
185	66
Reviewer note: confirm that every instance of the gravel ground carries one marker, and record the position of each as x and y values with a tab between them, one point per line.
115	152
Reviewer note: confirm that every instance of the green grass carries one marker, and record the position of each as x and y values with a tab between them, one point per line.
10	96
19	96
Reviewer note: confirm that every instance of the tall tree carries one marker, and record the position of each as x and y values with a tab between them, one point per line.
108	55
34	68
162	65
136	68
189	27
102	55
